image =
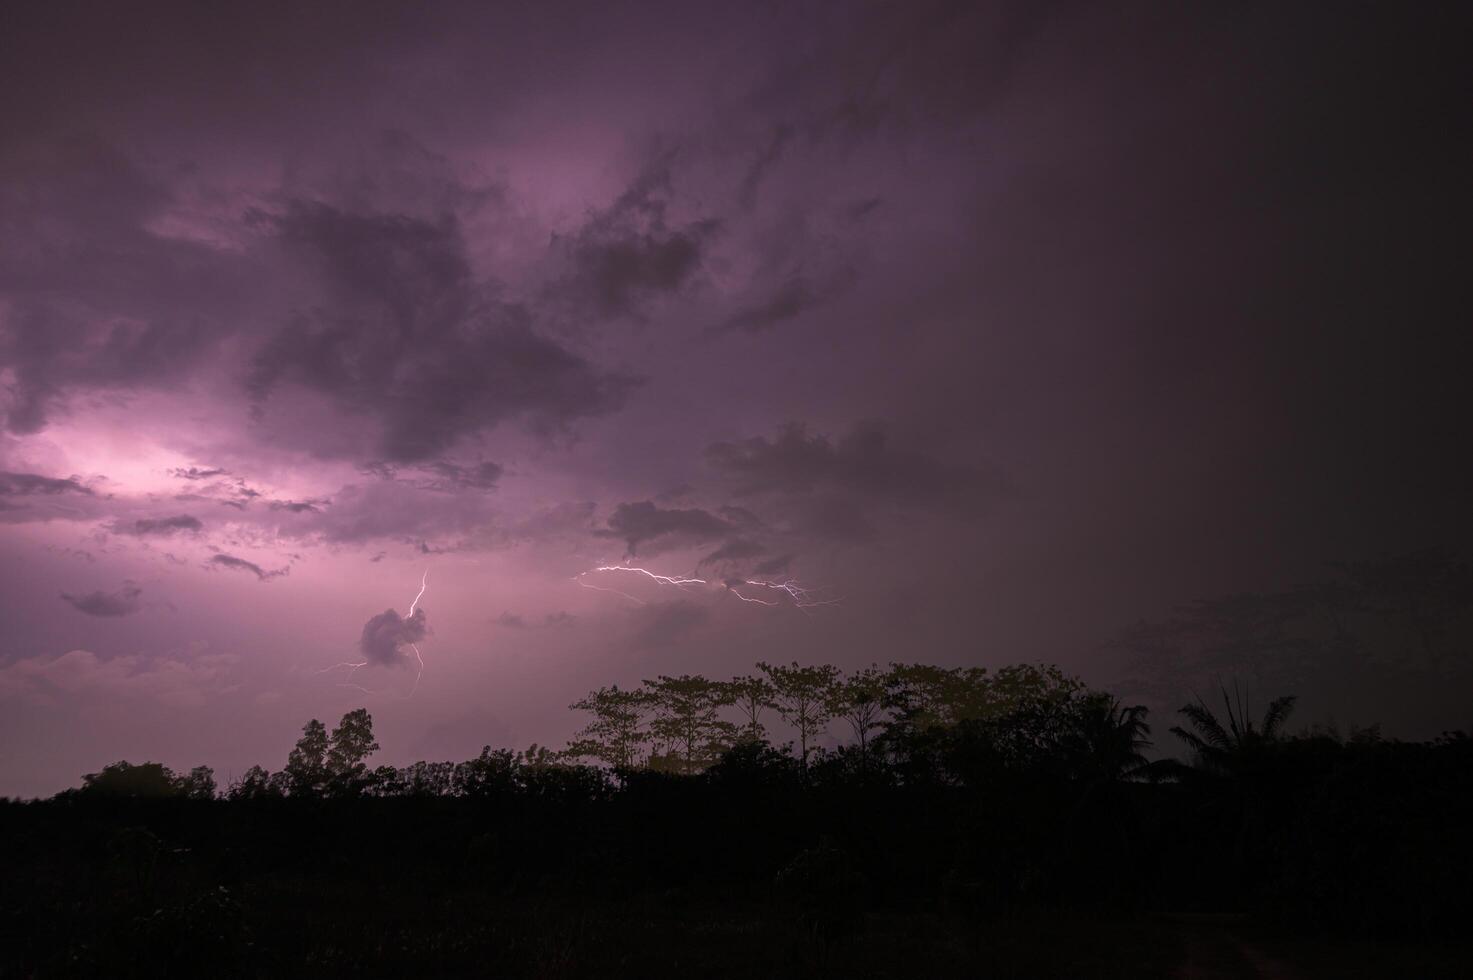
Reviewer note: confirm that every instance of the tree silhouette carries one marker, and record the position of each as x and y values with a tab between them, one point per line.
687	719
352	743
616	733
1109	740
306	764
803	696
752	695
147	779
859	700
254	784
1228	748
922	696
199	784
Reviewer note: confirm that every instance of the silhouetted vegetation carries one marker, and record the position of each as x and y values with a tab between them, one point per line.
964	810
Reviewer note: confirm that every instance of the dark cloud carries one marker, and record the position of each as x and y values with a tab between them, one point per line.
862	461
737	549
26	484
450	476
386	635
197	473
392	510
627	253
411	342
410	268
430	384
299	506
158	527
788	301
511	620
96	300
740	516
241	565
643	522
124	602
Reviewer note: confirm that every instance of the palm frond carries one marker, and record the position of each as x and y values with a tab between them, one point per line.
1206	724
1196	744
1278	712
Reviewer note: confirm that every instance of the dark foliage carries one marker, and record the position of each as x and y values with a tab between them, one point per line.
1011	830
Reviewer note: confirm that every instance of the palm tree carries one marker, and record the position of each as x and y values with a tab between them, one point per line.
1244	786
1110	739
1226	748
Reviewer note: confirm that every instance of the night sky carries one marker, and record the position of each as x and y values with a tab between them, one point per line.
996	326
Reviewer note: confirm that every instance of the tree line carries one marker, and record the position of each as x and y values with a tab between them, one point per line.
965	788
904	723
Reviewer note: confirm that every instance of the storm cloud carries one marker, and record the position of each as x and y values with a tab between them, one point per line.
122	602
27	484
863	460
1005	322
644	522
159	527
386	635
233	563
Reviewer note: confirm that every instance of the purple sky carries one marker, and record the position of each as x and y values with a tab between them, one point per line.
1006	325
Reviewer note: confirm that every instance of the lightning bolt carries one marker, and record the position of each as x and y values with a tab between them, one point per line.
802	598
678	581
662	579
419	658
424	583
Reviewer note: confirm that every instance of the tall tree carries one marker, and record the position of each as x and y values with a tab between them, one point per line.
306	766
352	743
199	784
617	731
688	719
859	700
803	696
752	695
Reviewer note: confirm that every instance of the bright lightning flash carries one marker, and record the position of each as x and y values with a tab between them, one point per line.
801	598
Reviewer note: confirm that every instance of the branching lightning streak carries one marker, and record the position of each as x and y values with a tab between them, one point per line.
678	581
801	598
424	583
747	598
662	579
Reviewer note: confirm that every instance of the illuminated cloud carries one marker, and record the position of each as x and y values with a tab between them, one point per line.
386	636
